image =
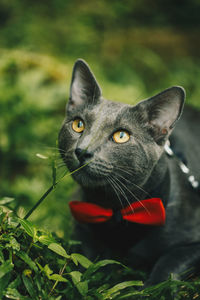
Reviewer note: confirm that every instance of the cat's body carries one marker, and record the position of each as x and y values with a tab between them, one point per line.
124	146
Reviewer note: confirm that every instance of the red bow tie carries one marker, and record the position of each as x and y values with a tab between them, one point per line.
148	212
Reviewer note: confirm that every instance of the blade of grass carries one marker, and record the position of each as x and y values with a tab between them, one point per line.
50	190
39	202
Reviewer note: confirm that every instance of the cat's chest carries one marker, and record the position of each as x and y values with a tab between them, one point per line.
119	235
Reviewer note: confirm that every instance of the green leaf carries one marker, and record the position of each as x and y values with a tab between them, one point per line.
121	286
74	243
1	256
5	268
14	294
6	200
13	221
13	244
84	261
24	256
4	283
134	293
76	276
29	286
75	261
15	283
82	286
28	227
102	263
1	210
51	276
57	248
58	278
157	288
2	215
41	156
47	270
46	240
38	282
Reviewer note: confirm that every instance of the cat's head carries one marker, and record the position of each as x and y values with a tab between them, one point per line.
114	140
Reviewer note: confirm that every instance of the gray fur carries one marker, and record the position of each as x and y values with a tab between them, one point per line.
138	169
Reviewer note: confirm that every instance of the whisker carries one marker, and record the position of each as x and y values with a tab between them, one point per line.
126	167
137	186
119	189
133	195
81	167
58	158
125	171
114	189
53	148
123	193
68	155
61	165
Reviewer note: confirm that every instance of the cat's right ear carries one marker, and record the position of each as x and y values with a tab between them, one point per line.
84	89
161	112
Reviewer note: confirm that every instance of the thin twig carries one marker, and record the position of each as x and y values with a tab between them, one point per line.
55	284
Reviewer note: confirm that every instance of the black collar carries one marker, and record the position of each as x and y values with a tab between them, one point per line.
182	162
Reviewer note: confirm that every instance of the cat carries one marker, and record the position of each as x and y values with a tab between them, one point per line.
119	151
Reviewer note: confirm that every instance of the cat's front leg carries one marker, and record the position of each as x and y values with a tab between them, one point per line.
178	262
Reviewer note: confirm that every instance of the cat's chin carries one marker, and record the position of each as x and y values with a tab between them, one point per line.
91	183
88	179
93	175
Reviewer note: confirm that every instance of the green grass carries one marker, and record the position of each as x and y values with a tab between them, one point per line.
34	265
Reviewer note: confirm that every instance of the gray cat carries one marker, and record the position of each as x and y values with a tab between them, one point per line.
119	149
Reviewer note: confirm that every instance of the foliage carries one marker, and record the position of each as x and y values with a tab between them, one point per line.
97	28
32	100
35	265
147	44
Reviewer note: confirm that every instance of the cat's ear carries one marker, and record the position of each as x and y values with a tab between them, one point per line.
84	88
163	111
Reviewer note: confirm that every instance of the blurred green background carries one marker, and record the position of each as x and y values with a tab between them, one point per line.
135	48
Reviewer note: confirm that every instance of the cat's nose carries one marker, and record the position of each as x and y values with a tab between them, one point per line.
83	154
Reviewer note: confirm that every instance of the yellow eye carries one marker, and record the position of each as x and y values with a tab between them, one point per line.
121	136
78	125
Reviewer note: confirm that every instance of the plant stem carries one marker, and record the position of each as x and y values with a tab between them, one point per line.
49	191
39	201
60	273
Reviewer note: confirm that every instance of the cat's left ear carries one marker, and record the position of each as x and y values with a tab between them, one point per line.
163	111
84	88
